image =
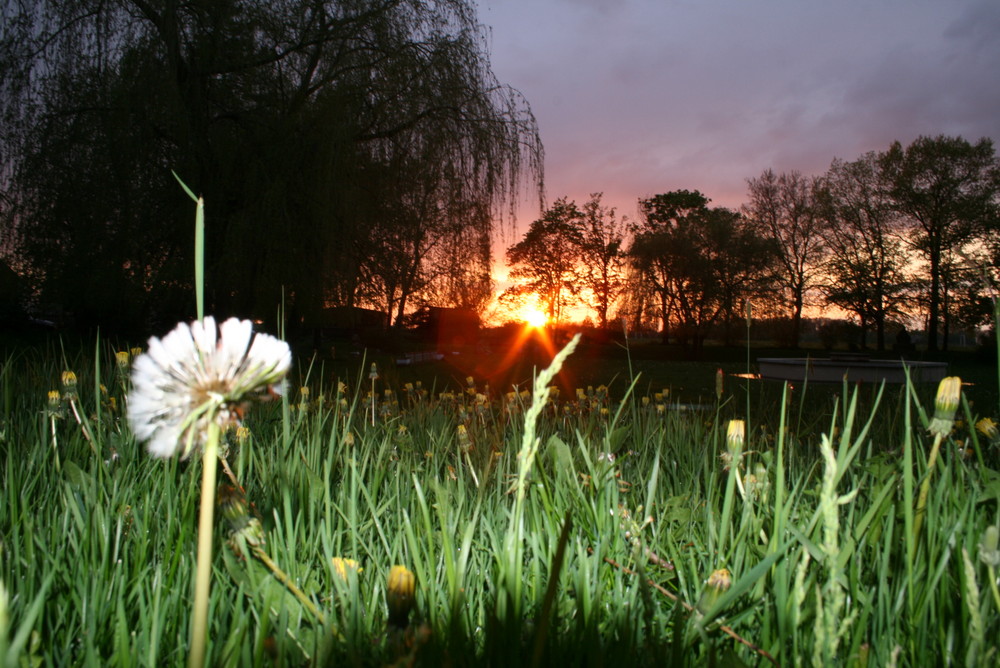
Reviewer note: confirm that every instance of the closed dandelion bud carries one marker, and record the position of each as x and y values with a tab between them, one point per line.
735	438
241	523
55	407
863	653
341	567
399	594
988	428
373	375
989	553
69	384
945	404
719	377
464	442
122	360
718	583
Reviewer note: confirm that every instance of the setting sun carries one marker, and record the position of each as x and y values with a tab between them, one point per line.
535	318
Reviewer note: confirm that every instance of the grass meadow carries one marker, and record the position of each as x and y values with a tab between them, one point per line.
596	524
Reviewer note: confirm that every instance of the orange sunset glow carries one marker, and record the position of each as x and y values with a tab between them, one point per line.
534	317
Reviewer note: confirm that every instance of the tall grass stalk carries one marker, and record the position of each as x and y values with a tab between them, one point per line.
512	566
199	248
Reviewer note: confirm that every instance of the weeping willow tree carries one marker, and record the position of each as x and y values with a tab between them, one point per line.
342	148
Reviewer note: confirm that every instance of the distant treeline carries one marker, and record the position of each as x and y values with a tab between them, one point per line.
910	233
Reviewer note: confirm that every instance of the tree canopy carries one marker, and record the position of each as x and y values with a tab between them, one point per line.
701	261
338	145
546	261
946	189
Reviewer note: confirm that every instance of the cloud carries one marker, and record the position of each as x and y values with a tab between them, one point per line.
639	97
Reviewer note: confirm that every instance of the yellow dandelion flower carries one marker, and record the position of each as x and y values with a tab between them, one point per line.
342	566
399	594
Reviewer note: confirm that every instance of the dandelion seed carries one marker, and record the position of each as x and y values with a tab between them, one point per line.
198	374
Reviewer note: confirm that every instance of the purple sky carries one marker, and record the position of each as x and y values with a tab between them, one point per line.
638	97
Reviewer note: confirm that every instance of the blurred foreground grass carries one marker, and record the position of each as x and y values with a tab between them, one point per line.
644	536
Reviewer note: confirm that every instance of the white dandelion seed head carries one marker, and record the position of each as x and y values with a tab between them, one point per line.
197	374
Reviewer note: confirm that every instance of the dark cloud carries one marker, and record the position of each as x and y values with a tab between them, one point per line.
639	97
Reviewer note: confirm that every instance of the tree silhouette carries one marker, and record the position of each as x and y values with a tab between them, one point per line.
783	208
866	261
602	255
947	190
546	260
309	127
651	252
702	261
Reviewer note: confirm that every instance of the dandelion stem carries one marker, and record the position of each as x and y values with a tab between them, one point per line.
83	426
925	487
199	628
55	444
259	552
